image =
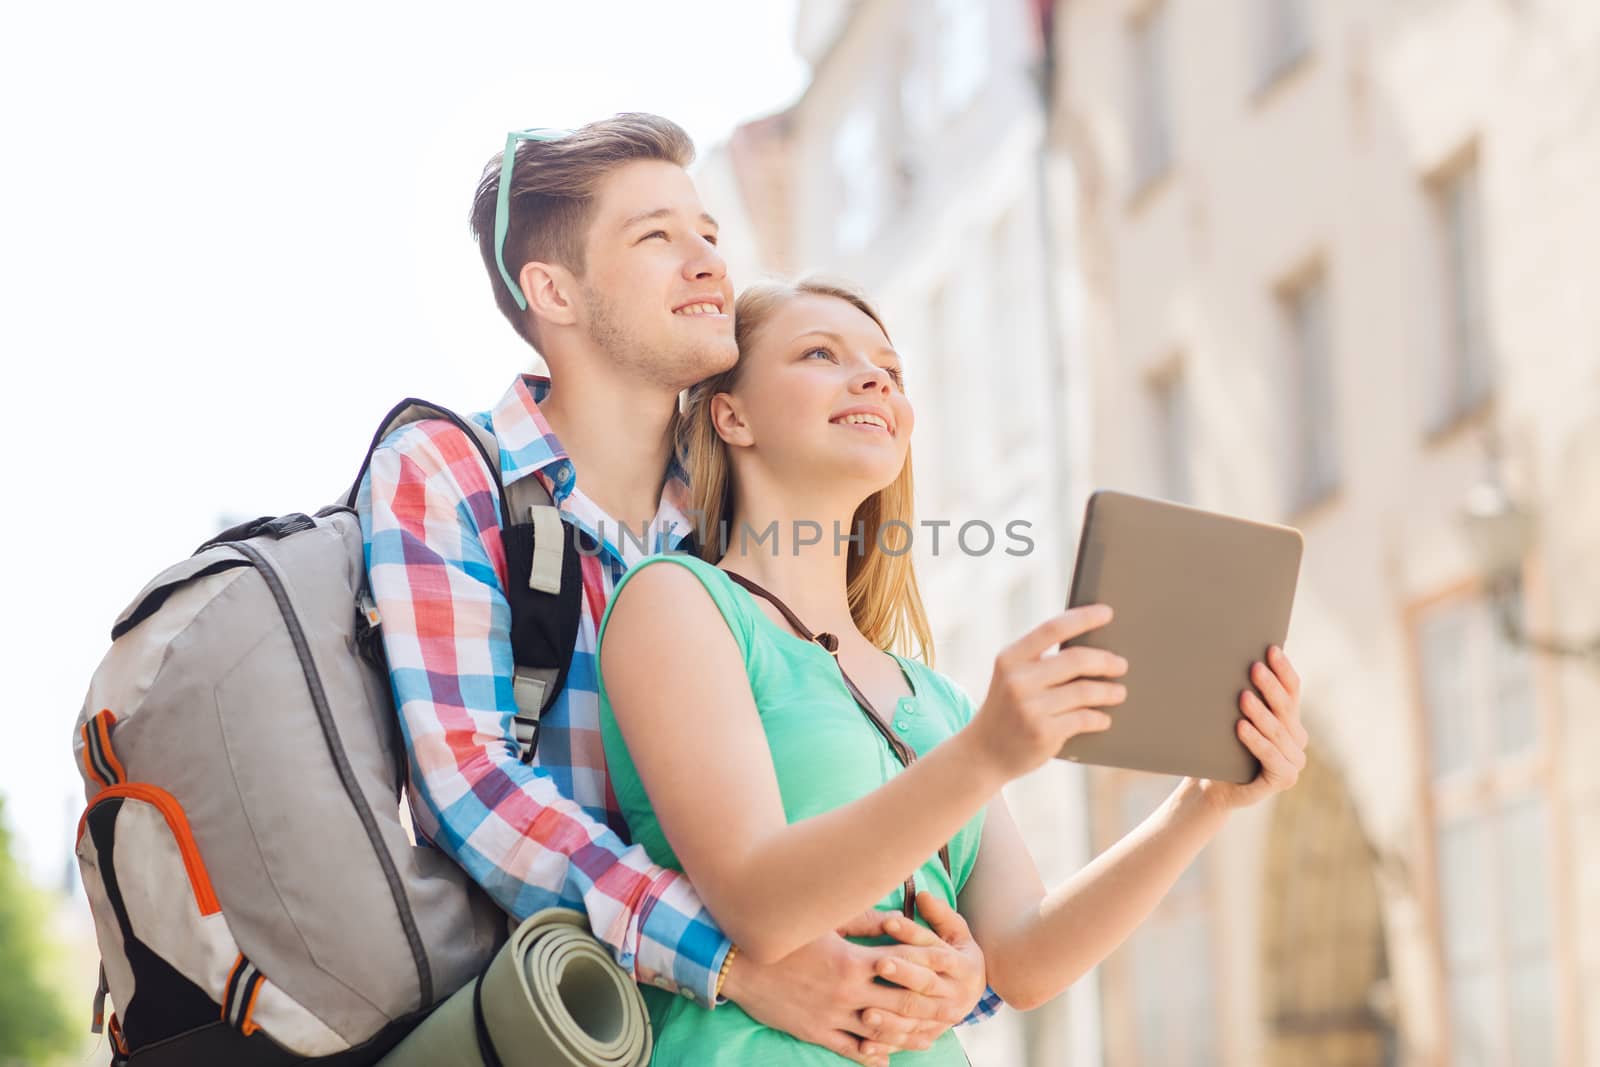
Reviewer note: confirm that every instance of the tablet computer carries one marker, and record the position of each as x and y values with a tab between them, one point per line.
1197	598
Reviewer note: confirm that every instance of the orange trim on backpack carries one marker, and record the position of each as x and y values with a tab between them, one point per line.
115	1030
205	897
245	1025
227	985
104	721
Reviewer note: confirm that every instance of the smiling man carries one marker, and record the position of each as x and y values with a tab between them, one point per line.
602	257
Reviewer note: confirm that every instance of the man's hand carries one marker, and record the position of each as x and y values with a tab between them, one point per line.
827	993
949	968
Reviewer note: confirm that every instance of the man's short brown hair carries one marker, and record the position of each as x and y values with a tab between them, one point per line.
552	195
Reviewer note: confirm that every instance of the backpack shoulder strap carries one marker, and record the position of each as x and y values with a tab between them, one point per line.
535	686
412	410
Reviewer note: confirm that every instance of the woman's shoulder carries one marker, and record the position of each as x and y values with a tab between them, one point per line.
668	592
714	578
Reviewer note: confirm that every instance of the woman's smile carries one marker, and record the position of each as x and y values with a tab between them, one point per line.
869	419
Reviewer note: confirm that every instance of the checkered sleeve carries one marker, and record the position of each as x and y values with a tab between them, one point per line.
986	1008
430	519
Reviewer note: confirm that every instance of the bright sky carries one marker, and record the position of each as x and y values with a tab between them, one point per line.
232	236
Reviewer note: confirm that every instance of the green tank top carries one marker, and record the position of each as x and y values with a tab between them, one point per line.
826	754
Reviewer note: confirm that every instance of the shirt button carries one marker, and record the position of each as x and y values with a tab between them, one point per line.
661	981
687	993
564	474
902	725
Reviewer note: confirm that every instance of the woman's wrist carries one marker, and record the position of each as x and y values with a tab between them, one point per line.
977	756
1195	797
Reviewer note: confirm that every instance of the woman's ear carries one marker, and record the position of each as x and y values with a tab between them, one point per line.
548	288
727	418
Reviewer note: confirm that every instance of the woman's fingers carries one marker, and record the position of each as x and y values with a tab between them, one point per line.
1087	693
870	923
1053	631
1270	726
1281	692
903	1008
1278	660
1275	764
913	976
939	958
1081	661
907	932
944	922
1272	691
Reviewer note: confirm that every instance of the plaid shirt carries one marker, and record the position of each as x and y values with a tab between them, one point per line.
532	836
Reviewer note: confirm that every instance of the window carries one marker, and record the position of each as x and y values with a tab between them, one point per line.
862	188
1492	837
1494	901
1169	396
963	52
1283	37
943	59
1465	364
1314	444
1477	690
1164	1004
1150	122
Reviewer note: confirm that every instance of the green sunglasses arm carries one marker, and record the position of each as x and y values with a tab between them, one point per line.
502	207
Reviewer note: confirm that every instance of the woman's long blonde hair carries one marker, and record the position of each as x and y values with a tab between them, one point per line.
882	587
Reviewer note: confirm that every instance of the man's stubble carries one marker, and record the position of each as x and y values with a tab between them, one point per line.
669	364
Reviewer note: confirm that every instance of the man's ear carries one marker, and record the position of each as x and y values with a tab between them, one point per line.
729	422
548	289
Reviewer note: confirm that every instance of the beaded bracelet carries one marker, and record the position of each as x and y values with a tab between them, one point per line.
727	965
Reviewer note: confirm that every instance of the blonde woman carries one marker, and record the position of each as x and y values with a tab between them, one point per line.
763	715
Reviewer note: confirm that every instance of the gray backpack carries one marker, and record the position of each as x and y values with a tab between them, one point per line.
257	897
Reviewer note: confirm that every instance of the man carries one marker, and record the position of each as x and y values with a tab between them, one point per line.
609	268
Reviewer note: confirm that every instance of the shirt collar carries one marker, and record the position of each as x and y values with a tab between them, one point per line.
528	446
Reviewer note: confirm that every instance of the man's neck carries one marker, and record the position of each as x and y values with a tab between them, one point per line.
618	436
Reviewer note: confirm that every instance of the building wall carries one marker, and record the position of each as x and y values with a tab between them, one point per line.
1331	169
913	166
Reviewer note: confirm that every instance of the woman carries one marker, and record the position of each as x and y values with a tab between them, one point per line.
742	755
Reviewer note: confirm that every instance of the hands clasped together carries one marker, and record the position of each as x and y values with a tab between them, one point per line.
875	1000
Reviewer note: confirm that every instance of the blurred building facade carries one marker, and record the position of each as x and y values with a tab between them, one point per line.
915	166
1316	262
1336	263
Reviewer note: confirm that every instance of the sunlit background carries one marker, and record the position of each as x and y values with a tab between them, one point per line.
1323	262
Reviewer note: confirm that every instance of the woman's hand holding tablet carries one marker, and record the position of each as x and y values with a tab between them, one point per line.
1271	730
1037	702
1199	598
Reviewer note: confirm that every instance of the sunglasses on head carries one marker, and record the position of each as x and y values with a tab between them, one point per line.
502	207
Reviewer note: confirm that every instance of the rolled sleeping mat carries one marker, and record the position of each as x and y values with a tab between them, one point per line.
551	997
